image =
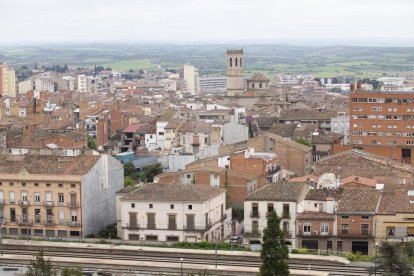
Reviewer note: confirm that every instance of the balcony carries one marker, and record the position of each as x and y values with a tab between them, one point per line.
223	217
24	221
37	203
359	234
172	226
133	226
23	202
253	234
286	215
272	171
287	234
74	224
314	233
254	214
48	204
197	228
49	221
73	204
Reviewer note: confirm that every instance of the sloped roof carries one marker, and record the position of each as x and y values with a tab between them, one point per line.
132	128
167	115
259	77
155	192
323	194
195	126
360	180
359	200
279	191
283	130
397	200
306	114
288	142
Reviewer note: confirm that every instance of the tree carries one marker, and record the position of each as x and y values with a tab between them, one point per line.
149	171
128	181
274	252
71	271
129	169
302	141
391	261
40	267
91	143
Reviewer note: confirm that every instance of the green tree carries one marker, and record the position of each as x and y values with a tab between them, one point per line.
302	141
149	171
91	143
72	271
128	181
391	261
40	267
274	252
129	169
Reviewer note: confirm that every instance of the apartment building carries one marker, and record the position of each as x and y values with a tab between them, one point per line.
7	81
54	195
382	122
173	213
281	197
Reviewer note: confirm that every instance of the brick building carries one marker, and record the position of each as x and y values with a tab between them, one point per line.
382	122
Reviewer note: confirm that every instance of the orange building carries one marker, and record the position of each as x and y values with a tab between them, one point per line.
382	122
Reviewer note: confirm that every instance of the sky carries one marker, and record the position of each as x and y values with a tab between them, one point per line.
207	21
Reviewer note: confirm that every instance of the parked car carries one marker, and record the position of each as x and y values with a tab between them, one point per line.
236	239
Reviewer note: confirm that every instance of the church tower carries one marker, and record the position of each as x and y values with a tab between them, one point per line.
235	77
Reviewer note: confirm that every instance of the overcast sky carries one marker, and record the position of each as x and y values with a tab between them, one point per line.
206	20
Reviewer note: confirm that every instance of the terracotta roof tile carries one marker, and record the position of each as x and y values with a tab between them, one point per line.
279	191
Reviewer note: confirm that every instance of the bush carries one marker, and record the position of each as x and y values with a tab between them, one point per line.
302	250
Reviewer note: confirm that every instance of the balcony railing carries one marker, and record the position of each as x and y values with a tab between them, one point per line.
254	214
361	234
172	226
24	221
197	228
74	224
37	203
272	171
286	215
73	204
314	233
48	203
50	221
151	226
253	234
133	226
2	202
24	202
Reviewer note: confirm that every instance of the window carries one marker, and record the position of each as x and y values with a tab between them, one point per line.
12	198
36	184
345	217
23	184
391	231
365	217
306	228
171	206
132	205
11	184
364	229
72	185
324	229
344	229
188	176
61	198
190	207
47	184
151	206
60	185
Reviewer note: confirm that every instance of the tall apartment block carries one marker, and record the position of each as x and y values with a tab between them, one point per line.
7	81
53	195
382	122
235	75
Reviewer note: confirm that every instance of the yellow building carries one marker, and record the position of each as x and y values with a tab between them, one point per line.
394	220
58	196
7	81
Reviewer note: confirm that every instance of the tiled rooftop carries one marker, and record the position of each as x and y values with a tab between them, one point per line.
279	191
174	192
47	164
359	200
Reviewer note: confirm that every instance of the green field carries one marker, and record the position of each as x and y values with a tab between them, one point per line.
362	62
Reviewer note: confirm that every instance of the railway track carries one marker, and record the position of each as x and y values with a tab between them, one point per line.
142	257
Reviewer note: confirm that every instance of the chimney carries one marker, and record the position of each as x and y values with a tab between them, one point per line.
352	87
359	85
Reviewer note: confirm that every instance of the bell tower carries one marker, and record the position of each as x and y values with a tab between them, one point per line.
235	76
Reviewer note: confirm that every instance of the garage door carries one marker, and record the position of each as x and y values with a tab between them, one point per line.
191	239
310	244
360	246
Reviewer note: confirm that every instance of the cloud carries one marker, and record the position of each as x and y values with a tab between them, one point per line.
202	20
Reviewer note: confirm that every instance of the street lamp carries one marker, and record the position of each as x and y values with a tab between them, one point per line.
375	260
1	239
181	260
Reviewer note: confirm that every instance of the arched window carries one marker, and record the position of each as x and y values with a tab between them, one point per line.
241	59
235	62
231	62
